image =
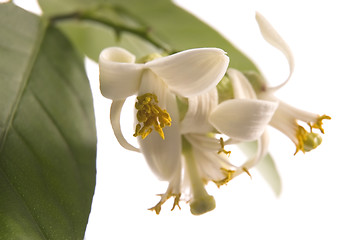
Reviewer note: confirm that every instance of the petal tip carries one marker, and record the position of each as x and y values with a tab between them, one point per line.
116	54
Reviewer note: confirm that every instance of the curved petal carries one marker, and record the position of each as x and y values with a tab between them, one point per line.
119	75
191	72
163	156
199	108
241	86
273	38
115	112
262	149
242	119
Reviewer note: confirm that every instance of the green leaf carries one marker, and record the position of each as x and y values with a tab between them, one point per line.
161	22
266	166
47	132
268	170
91	38
59	7
181	30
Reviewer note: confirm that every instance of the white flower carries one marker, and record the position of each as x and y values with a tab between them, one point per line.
204	156
156	83
287	118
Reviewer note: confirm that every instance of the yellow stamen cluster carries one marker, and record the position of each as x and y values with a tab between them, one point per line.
151	115
308	141
221	141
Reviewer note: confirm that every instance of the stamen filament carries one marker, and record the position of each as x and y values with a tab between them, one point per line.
318	123
228	153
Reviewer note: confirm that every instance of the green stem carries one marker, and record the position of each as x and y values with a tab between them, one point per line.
143	32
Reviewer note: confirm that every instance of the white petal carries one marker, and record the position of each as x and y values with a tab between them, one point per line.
208	146
203	142
273	38
209	164
193	71
119	75
241	86
242	119
296	113
199	108
163	156
115	112
262	149
288	112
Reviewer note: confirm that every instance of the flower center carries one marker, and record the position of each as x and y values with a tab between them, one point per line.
150	115
307	141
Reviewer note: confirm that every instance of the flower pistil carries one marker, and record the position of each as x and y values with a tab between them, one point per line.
308	141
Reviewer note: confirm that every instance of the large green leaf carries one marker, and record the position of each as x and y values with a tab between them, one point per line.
181	30
91	38
160	20
59	7
47	132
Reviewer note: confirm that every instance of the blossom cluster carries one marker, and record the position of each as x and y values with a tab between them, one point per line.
183	125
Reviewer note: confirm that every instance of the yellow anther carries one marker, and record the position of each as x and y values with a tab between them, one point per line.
318	123
176	201
164	197
307	141
246	171
151	115
229	176
221	141
156	208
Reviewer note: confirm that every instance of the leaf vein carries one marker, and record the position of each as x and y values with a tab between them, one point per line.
25	82
16	191
54	123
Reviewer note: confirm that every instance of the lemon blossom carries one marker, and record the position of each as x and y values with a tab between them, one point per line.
157	83
201	161
287	118
204	157
181	121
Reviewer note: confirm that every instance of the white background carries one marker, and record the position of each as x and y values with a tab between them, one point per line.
321	190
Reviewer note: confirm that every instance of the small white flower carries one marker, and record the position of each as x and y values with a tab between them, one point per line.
286	119
157	83
200	159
